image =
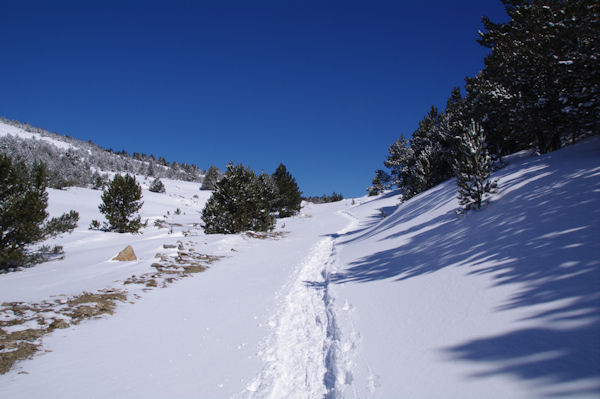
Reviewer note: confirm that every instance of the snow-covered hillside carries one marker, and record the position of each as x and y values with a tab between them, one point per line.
73	162
354	299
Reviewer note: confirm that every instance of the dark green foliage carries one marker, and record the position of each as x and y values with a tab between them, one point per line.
472	168
23	216
120	203
290	197
240	202
540	88
423	161
267	191
429	146
211	178
541	81
380	183
400	160
98	181
157	186
94	225
323	199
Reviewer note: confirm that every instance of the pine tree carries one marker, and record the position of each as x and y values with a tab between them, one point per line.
472	168
432	164
400	160
290	197
268	191
120	203
543	72
212	177
380	183
239	203
157	186
23	216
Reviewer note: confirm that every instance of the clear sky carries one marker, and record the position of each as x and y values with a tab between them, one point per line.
322	86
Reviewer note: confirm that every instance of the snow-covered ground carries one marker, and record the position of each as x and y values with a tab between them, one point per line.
10	130
360	298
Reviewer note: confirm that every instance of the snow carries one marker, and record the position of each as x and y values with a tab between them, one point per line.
10	130
363	298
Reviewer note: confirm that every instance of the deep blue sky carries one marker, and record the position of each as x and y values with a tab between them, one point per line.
322	86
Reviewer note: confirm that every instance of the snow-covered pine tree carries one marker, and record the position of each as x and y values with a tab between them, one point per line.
268	191
157	186
544	65
120	203
23	216
400	160
238	203
472	168
211	178
290	197
381	182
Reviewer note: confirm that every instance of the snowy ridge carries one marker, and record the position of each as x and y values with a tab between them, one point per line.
11	130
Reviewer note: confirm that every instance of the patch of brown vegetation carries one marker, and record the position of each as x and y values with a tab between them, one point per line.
28	323
273	235
48	316
24	350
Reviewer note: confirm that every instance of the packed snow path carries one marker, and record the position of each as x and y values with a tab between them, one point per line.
302	355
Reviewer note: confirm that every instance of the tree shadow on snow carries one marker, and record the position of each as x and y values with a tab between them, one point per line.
544	233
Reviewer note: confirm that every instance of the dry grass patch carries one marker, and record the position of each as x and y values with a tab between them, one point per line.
25	324
273	235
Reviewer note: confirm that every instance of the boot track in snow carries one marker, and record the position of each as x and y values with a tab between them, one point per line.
301	355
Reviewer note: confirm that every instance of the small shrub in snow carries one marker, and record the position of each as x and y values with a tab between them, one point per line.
23	216
120	203
94	225
157	186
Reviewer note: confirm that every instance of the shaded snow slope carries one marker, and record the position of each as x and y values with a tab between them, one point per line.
501	302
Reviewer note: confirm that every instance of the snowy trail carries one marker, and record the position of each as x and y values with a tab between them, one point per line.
302	354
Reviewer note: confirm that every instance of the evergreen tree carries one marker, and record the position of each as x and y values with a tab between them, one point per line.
400	160
157	186
150	171
268	190
120	203
290	197
543	72
239	203
380	183
472	168
432	164
23	216
212	177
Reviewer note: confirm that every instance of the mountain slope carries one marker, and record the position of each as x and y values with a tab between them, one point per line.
501	302
73	162
353	299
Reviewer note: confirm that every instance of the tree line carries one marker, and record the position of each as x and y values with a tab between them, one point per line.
539	89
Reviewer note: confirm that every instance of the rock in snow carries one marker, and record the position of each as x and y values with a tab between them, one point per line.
126	254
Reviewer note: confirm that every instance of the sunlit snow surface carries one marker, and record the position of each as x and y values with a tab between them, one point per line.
361	298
